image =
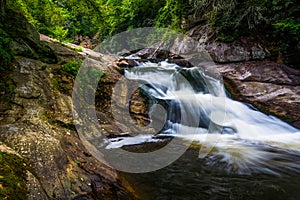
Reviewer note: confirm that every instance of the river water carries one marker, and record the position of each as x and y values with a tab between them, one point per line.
237	151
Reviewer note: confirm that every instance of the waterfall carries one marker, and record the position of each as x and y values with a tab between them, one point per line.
196	105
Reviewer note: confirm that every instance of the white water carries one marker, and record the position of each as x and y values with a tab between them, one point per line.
242	137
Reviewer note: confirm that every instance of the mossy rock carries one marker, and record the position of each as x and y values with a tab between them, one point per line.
13	177
26	40
7	88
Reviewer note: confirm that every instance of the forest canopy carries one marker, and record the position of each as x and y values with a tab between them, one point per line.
272	22
230	19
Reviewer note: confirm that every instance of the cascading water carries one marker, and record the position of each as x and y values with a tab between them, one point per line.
245	140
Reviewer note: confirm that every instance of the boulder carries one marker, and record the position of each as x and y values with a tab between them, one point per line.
238	51
25	39
271	87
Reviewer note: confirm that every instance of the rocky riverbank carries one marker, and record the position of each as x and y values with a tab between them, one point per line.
41	154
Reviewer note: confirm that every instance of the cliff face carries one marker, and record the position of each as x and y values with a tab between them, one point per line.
36	123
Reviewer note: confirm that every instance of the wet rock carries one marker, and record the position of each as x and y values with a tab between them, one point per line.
156	52
139	108
271	87
127	111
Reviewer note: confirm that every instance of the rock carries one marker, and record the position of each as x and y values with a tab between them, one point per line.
14	171
51	163
271	87
25	39
258	53
201	39
156	52
202	33
35	190
238	51
38	133
21	48
28	91
64	54
139	109
224	53
128	103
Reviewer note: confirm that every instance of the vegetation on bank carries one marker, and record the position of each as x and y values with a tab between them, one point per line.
275	22
64	19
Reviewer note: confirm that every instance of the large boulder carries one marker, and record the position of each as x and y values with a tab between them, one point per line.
271	87
25	39
237	51
234	52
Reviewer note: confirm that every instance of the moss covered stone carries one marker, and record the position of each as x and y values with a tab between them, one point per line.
13	177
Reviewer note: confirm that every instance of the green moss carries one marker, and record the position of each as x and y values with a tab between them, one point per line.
77	49
13	177
60	86
72	67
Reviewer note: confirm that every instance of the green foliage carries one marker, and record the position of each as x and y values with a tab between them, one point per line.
78	49
72	67
88	81
128	14
5	52
60	33
288	25
61	19
171	15
230	19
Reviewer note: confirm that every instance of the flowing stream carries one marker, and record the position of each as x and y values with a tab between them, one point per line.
244	154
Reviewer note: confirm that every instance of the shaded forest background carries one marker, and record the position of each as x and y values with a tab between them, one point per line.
276	22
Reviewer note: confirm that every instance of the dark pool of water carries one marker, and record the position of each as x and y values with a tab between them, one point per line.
191	178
